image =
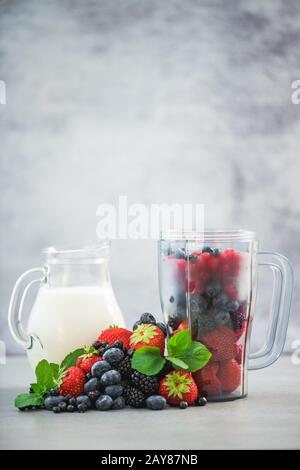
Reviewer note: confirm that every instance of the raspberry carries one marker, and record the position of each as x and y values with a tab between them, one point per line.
229	375
221	343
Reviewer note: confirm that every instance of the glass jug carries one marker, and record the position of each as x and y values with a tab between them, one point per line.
75	301
208	284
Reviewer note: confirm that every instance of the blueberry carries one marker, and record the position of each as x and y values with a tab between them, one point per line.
162	327
54	392
221	300
82	408
221	318
96	344
62	405
198	304
201	401
104	403
207	249
179	253
56	409
174	321
130	352
183	405
118	403
148	318
88	376
99	368
137	323
107	347
118	344
72	401
94	395
84	399
67	398
70	408
111	377
213	289
114	391
156	402
91	386
216	252
51	402
232	305
113	356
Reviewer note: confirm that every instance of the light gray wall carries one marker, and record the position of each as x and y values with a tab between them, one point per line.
175	101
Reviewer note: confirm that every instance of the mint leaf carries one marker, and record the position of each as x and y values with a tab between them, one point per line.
179	343
28	399
147	360
177	362
70	359
44	375
196	357
55	370
38	388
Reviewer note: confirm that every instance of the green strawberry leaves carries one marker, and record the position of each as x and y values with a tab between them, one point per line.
70	359
184	354
148	359
48	376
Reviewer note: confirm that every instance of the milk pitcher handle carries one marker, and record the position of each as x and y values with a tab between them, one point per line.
16	304
283	281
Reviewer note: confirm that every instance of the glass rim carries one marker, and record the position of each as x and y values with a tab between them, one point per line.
85	251
209	235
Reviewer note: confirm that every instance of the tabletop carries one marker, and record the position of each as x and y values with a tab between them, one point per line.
269	418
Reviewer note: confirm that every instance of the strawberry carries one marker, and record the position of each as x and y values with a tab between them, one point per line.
178	386
229	375
147	334
111	334
207	380
72	382
238	353
88	359
183	326
221	343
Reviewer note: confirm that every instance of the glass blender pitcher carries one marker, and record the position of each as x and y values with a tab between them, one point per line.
208	285
74	303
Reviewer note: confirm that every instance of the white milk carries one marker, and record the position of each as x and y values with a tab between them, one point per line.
66	318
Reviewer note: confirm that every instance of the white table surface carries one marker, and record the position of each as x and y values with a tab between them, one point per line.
268	418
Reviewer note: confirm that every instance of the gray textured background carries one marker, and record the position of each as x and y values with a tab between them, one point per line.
175	101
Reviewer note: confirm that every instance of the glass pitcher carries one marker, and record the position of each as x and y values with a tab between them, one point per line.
208	284
75	301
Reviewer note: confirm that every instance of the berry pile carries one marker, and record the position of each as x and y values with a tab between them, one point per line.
208	287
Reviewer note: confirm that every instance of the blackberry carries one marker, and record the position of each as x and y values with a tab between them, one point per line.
237	319
168	367
147	384
134	397
125	368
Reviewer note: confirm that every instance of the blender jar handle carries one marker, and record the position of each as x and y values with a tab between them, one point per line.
16	304
283	282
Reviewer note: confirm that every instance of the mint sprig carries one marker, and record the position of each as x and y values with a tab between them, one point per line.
183	352
48	376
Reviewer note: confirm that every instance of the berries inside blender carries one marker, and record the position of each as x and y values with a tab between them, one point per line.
206	290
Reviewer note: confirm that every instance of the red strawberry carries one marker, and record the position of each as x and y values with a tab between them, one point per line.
183	326
178	386
229	375
72	382
147	334
111	334
221	343
207	380
238	353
